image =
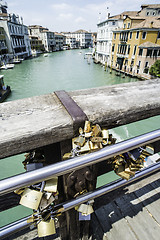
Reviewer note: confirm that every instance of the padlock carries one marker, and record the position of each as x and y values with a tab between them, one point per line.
19	191
93	146
85	148
67	156
80	131
80	141
51	185
31	198
45	201
134	154
149	149
85	209
33	166
87	127
97	139
84	217
46	228
105	134
88	135
96	131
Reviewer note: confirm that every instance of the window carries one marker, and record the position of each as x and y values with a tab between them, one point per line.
124	26
137	34
113	23
158	35
140	52
155	53
147	13
129	25
134	51
146	64
130	36
128	49
144	35
149	53
146	68
114	35
153	13
139	63
113	47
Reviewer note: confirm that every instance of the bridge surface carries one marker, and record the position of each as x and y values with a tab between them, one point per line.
134	215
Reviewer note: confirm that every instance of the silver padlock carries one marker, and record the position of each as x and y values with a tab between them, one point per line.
31	198
85	209
46	228
51	185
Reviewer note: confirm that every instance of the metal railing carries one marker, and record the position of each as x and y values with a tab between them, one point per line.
23	223
22	180
61	168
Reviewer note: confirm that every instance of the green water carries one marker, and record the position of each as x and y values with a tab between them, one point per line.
66	70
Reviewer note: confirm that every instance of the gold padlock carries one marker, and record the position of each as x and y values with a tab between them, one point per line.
31	198
67	156
51	185
46	228
93	146
97	139
87	127
96	131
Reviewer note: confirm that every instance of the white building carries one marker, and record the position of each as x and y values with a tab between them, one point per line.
71	42
104	38
17	38
47	37
83	38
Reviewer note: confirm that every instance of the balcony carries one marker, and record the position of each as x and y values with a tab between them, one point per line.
120	55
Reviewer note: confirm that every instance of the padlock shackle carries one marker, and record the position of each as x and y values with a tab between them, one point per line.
26	179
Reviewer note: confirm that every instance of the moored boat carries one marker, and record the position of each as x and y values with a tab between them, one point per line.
7	66
4	90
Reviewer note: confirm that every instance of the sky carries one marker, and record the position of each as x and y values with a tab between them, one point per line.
71	15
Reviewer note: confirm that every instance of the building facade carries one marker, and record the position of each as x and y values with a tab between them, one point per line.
83	38
130	44
17	38
36	45
104	39
71	42
47	37
59	40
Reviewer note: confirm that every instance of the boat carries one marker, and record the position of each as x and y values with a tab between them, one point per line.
88	54
7	66
4	90
17	60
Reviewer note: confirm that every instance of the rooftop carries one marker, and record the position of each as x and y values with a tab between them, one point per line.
149	22
149	45
150	6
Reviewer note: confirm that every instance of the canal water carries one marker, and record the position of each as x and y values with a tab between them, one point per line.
65	70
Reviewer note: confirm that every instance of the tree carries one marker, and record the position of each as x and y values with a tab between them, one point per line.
155	69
